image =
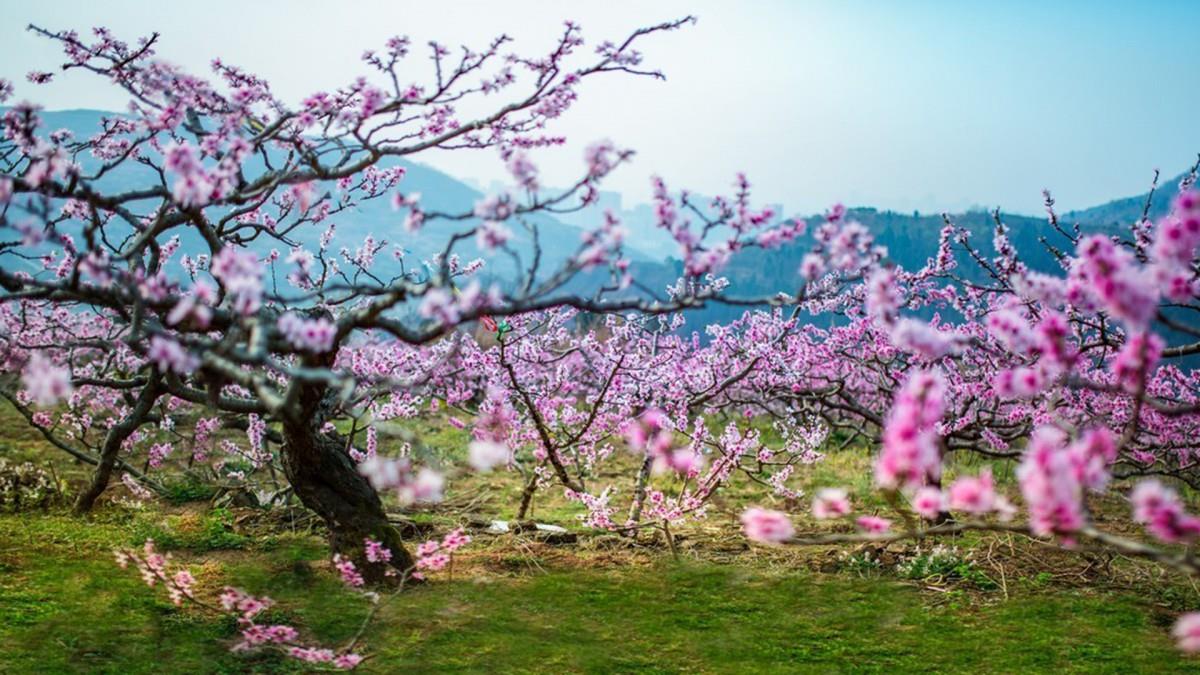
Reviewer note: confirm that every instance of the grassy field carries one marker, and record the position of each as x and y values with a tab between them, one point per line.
65	607
598	605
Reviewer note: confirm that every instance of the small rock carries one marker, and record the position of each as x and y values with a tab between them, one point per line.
555	538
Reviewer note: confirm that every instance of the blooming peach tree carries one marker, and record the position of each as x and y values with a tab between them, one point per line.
178	275
1070	375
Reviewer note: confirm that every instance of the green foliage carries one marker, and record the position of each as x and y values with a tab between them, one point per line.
187	489
218	531
211	532
863	564
1041	580
945	565
25	486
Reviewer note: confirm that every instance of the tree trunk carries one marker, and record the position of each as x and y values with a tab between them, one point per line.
112	444
639	495
943	517
326	480
527	495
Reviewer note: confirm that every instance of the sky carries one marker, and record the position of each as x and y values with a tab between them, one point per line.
904	105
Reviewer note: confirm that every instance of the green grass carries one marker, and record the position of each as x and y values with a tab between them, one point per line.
66	607
719	619
185	489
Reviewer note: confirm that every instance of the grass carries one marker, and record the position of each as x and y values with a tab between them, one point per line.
66	607
518	606
720	619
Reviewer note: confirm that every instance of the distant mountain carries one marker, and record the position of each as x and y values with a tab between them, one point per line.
1128	210
911	238
439	192
645	236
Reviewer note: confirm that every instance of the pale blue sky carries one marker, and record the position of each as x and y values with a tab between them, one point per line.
925	105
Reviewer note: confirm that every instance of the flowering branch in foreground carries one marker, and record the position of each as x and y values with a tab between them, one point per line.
157	569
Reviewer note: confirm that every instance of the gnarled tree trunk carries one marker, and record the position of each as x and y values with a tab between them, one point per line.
326	480
113	441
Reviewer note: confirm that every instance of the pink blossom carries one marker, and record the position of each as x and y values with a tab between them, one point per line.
347	661
434	562
830	503
46	382
652	435
411	485
523	170
812	266
918	337
1137	359
1012	330
495	208
135	488
973	494
439	305
454	540
426	488
312	335
194	306
911	452
766	526
348	572
158	452
1187	632
1047	289
1092	455
491	235
194	186
1178	234
311	654
883	295
169	356
1019	382
599	158
181	587
1160	509
302	194
240	272
1053	332
1051	483
1126	290
928	502
376	552
873	524
684	461
486	455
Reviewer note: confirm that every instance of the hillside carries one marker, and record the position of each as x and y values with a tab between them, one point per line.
1127	210
439	192
910	238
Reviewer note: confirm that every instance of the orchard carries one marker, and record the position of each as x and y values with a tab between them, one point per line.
179	308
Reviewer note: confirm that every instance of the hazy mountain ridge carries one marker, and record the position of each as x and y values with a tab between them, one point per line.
375	217
911	238
1128	210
